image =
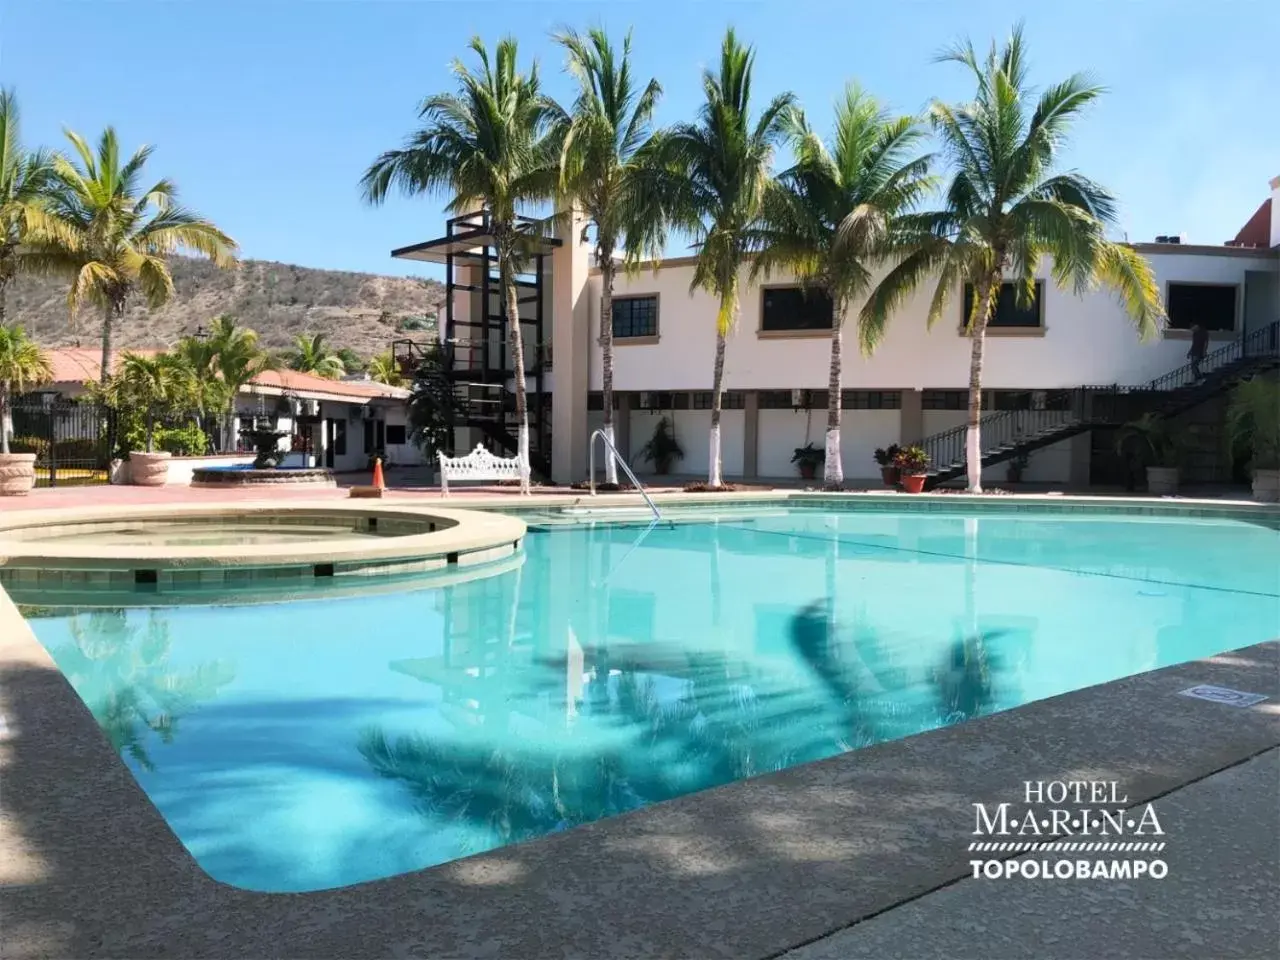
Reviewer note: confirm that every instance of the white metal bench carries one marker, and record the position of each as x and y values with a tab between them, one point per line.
480	464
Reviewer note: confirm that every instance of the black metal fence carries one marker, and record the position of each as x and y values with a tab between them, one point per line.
72	440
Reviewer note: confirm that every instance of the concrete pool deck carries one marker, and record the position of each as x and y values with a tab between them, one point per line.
864	854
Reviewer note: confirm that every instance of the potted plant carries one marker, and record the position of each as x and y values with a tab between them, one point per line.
148	387
663	449
1253	419
886	457
807	458
913	466
22	366
1017	466
1149	443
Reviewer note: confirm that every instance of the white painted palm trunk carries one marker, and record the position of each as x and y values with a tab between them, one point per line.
973	457
6	431
833	470
610	462
524	456
713	472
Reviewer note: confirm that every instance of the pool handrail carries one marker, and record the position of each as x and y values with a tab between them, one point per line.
611	449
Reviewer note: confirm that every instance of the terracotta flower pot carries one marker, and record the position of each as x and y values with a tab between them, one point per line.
890	475
913	482
149	469
808	470
17	474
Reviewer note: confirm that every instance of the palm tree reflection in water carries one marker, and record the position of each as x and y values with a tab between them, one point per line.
712	719
121	671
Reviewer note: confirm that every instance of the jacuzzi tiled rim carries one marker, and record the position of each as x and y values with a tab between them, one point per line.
412	540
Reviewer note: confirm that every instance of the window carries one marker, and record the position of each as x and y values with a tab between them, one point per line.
395	434
795	308
635	317
775	400
729	400
871	399
951	400
662	400
1213	306
1008	313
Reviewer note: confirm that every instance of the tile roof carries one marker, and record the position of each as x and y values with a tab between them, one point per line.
82	364
296	382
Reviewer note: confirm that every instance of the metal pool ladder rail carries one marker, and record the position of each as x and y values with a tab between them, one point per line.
611	449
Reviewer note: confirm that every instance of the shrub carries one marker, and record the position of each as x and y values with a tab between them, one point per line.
36	445
186	441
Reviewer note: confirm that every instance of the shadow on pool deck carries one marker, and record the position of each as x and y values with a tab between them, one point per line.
89	869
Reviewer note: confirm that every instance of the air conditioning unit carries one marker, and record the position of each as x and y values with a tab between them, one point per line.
646	400
308	408
368	413
798	399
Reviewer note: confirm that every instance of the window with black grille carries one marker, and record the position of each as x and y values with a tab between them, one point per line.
871	399
795	308
1009	312
1213	306
944	400
635	317
729	400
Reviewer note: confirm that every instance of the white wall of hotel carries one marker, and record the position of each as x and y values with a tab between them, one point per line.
1083	339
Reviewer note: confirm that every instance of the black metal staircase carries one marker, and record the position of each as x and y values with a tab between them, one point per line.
1056	415
476	338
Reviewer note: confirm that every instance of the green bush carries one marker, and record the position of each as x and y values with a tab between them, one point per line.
188	441
36	445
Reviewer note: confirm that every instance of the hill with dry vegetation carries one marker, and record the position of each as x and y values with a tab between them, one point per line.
362	311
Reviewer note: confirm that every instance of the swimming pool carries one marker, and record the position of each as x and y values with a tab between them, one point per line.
314	744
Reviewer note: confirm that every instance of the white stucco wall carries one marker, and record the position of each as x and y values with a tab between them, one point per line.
1088	339
1275	212
692	430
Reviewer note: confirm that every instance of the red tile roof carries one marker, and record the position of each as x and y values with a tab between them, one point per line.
296	382
82	364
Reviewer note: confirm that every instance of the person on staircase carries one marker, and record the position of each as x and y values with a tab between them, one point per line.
1199	346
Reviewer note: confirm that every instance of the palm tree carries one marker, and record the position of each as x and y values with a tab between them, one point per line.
150	385
313	355
603	141
828	218
114	236
489	145
384	369
709	179
222	363
1006	208
25	178
23	365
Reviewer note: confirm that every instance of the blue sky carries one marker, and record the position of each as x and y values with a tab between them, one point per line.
266	113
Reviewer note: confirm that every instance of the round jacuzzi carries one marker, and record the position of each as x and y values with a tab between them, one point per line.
234	550
247	475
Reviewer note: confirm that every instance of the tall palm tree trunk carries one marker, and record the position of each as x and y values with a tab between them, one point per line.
506	270
606	356
6	420
833	470
973	438
6	274
714	478
114	313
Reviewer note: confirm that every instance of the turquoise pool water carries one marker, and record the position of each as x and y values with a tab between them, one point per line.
314	744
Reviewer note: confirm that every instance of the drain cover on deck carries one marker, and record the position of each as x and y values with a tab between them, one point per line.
1232	698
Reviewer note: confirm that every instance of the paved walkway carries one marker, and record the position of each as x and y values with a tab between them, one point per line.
1220	899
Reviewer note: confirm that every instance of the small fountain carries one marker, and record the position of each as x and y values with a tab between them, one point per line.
267	467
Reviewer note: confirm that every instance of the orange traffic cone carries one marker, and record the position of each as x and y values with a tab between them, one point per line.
378	482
